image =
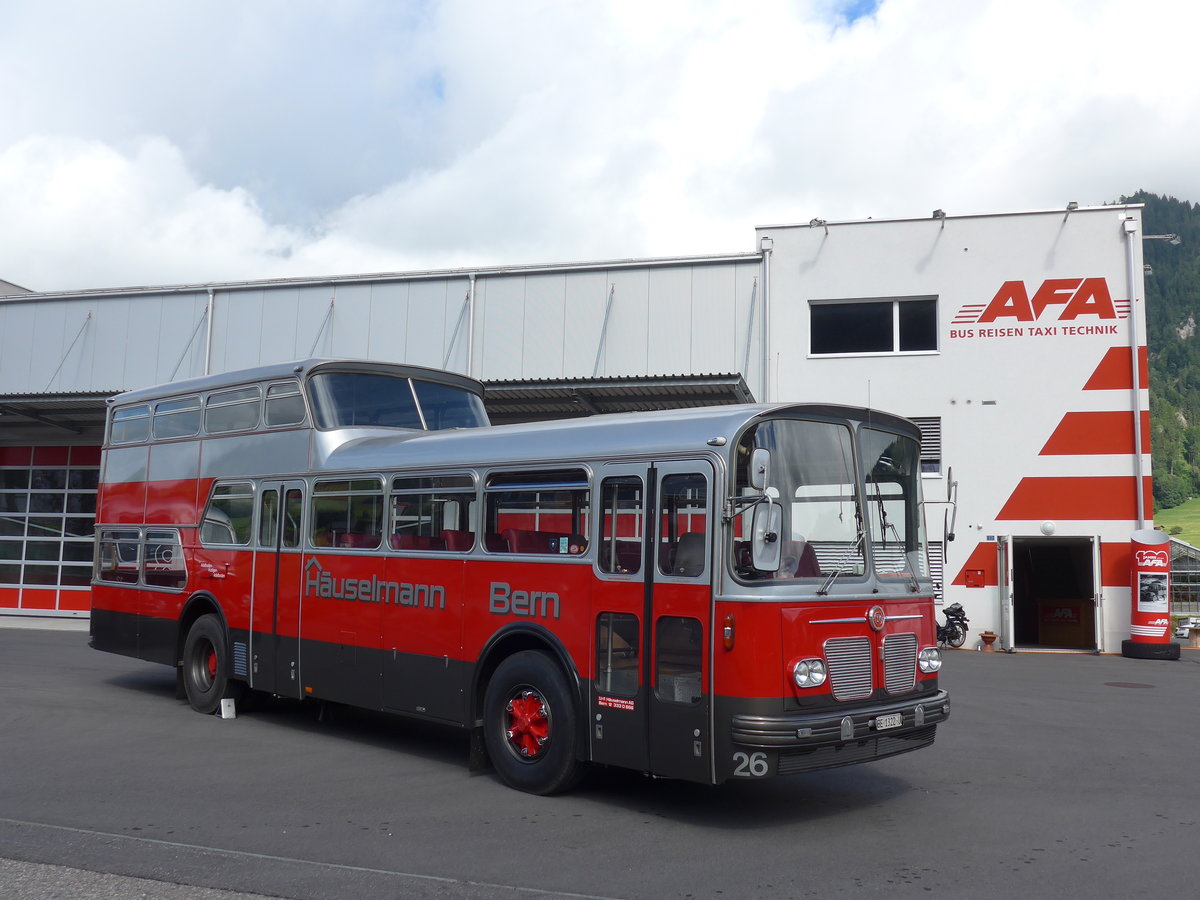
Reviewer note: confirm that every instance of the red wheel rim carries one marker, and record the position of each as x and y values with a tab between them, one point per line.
212	662
528	731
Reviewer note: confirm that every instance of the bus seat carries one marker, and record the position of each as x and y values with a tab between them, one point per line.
808	566
458	541
689	554
495	543
417	542
522	541
358	541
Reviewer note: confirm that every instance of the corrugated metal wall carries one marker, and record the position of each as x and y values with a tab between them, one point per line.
664	318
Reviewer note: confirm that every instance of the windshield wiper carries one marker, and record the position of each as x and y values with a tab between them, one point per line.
842	567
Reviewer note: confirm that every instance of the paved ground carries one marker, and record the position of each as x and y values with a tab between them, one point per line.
1057	775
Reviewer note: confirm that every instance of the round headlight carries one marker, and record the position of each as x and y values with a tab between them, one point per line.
930	660
809	673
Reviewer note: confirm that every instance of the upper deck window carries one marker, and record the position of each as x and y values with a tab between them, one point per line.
285	405
357	399
177	418
445	406
372	400
130	424
235	410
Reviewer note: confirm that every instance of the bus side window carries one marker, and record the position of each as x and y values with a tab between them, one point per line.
617	654
621	535
683	537
433	513
229	515
542	513
347	513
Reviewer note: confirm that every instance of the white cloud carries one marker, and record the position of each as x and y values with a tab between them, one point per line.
277	138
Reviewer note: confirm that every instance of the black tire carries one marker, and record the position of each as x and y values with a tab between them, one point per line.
530	724
957	636
206	666
1136	650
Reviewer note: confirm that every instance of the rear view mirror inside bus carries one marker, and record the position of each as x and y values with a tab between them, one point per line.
765	547
760	469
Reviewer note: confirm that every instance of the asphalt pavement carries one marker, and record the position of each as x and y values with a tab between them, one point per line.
1058	775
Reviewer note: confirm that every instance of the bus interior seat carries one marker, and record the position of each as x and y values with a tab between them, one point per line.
522	541
417	542
458	541
689	554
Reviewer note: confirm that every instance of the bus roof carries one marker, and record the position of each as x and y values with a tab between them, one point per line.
302	368
664	433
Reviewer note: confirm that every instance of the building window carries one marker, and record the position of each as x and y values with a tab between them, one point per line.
892	325
47	517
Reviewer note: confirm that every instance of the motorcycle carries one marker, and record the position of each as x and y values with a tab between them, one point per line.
954	632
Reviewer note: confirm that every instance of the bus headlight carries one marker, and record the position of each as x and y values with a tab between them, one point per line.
809	673
930	660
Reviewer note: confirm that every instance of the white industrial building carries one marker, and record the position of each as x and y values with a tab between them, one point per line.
1009	338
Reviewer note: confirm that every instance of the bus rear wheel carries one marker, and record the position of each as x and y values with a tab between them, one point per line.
529	724
205	667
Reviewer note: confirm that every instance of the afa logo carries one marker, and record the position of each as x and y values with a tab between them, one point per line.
1152	559
1074	298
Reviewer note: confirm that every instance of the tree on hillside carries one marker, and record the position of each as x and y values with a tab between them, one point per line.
1173	338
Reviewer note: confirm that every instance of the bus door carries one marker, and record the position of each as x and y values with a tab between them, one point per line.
679	620
649	709
278	581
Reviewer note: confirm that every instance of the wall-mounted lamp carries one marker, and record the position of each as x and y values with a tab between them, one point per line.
1173	239
939	214
1147	269
815	223
1072	206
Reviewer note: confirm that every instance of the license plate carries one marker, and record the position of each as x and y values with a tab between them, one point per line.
895	720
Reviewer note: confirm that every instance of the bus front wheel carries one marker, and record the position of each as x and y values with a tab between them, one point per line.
205	667
529	724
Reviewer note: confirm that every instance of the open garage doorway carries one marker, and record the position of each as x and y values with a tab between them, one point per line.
1055	587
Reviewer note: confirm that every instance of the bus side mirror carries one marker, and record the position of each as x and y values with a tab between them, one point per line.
765	545
760	469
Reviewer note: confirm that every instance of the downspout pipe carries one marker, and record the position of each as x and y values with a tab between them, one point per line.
766	245
1131	236
471	325
208	335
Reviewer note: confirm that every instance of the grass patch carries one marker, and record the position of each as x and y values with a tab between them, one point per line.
1186	516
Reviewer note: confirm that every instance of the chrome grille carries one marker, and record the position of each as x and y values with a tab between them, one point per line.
900	662
849	667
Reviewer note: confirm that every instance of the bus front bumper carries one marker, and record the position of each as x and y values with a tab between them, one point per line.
831	727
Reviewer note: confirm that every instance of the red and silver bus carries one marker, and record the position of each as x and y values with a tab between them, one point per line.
732	592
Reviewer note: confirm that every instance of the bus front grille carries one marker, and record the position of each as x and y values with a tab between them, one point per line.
849	667
900	663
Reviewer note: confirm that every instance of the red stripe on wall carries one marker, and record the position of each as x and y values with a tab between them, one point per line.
1115	565
1115	373
1104	498
1081	433
982	559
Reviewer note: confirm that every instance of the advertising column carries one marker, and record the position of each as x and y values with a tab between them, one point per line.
1150	611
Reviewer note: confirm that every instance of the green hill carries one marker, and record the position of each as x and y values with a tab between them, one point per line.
1172	322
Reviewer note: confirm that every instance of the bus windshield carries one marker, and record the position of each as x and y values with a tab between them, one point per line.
895	518
359	399
812	478
825	531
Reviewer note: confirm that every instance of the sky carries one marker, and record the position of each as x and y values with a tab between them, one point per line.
145	142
